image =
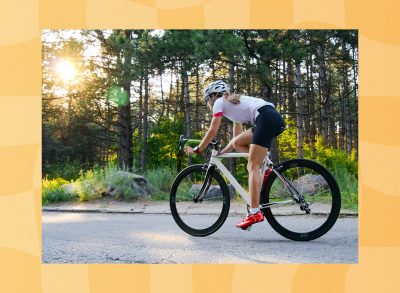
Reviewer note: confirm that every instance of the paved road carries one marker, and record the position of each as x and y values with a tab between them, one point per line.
147	238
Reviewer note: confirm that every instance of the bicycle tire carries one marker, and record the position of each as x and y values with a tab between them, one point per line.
188	222
327	219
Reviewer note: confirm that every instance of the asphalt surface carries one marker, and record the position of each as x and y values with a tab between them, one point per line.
155	238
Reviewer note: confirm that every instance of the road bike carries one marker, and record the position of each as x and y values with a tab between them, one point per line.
299	198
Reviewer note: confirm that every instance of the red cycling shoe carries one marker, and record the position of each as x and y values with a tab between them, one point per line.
250	220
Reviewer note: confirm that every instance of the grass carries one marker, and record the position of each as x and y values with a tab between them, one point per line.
53	192
160	180
348	184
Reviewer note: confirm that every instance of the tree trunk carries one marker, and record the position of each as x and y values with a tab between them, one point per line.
197	105
332	125
108	130
331	111
275	144
290	87
232	161
285	96
248	83
145	121
324	94
313	116
342	120
299	102
185	83
178	97
162	96
140	124
346	102
274	98
125	146
170	98
348	125
355	92
253	86
307	104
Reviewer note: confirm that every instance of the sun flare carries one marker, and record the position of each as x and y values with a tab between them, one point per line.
66	70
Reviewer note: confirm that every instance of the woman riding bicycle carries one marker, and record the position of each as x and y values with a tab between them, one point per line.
267	122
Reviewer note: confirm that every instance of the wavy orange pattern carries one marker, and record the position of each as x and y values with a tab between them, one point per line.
20	130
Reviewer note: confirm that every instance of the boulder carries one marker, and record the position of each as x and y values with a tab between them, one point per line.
311	184
70	188
126	184
213	191
308	184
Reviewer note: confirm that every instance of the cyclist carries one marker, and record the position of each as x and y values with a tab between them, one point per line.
267	123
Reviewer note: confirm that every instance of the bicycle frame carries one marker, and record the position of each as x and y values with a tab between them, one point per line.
216	160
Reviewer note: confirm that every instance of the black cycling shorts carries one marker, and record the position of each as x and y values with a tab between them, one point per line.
269	124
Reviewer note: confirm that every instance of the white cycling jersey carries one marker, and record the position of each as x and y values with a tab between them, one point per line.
244	112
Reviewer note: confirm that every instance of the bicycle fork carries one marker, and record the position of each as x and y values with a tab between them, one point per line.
206	185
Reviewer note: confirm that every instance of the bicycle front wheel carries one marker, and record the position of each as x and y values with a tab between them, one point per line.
320	191
199	215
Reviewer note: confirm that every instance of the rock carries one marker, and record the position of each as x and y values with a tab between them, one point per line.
123	174
213	191
111	191
70	188
126	184
310	184
139	180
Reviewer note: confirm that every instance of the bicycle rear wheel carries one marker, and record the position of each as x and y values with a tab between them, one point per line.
320	191
204	216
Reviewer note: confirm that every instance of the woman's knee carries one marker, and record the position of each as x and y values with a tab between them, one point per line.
236	143
253	166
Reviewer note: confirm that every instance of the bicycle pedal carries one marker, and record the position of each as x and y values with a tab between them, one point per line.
247	229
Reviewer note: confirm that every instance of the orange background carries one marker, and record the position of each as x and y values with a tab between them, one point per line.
21	21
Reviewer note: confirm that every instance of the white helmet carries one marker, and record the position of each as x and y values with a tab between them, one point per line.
216	87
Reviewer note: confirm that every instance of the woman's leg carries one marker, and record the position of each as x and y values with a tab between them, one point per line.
256	157
242	142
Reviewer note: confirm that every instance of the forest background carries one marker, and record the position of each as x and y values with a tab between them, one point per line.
119	100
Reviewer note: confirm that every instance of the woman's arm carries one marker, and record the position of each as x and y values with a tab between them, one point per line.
237	129
211	133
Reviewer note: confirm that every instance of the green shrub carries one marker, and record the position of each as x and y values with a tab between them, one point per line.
331	158
288	143
123	185
160	180
66	170
93	183
348	184
52	191
90	185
